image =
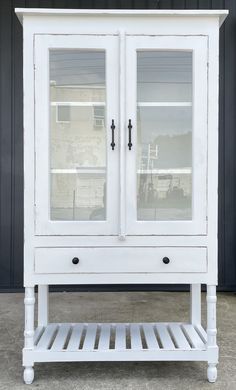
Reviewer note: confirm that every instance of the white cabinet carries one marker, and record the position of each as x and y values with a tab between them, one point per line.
120	166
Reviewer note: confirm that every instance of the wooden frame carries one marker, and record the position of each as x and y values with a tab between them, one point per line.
199	47
43	224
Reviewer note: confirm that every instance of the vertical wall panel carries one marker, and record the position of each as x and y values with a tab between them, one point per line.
17	151
229	168
11	130
5	143
204	4
179	4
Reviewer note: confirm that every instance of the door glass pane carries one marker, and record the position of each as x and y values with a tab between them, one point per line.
164	76
78	135
164	135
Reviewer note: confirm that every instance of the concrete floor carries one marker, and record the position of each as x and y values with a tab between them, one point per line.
132	306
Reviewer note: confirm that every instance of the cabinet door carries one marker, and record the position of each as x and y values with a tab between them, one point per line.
76	100
167	108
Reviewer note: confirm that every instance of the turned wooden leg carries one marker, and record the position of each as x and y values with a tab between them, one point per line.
211	334
42	305
29	302
195	304
211	372
28	375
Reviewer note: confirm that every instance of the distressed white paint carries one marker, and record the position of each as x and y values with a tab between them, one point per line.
158	341
198	45
122	126
211	333
195	304
43	224
43	309
120	250
29	302
120	260
108	12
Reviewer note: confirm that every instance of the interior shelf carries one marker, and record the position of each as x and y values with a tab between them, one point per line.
86	170
139	104
120	341
164	104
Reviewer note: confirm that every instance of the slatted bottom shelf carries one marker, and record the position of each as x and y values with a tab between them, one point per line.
120	341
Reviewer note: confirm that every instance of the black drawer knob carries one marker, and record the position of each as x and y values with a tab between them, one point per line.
75	260
166	260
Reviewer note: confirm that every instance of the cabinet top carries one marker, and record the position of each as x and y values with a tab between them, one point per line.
21	12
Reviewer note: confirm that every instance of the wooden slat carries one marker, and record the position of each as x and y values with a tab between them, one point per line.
193	336
150	336
120	341
165	338
90	337
73	344
179	337
170	336
104	340
47	336
37	334
61	337
202	332
135	337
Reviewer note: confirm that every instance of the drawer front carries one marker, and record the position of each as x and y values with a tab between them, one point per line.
120	260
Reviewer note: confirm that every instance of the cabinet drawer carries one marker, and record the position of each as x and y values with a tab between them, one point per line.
120	260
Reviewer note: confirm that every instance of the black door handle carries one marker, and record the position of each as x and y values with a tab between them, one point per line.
130	135
112	135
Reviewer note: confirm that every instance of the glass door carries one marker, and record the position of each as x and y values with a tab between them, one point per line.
76	100
167	126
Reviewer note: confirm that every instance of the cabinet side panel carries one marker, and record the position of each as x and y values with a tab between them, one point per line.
28	75
213	89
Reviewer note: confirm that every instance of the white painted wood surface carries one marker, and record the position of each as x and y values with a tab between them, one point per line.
120	260
43	223
221	14
29	302
43	305
104	340
193	336
179	337
120	250
164	335
100	337
122	119
117	342
199	47
73	344
211	333
195	303
120	340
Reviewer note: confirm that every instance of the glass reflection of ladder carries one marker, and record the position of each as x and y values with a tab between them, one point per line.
147	160
147	165
152	156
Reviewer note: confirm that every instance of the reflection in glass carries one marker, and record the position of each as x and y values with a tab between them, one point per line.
78	135
164	76
81	199
164	136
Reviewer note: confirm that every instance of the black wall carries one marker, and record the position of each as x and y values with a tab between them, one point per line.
11	131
